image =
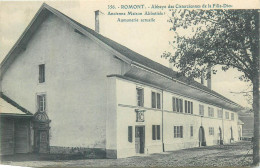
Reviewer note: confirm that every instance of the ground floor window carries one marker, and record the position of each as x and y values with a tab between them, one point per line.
156	135
191	131
178	131
211	130
130	134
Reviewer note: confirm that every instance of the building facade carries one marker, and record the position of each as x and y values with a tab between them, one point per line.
89	92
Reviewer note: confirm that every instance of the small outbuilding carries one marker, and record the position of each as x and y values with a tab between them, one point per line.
15	127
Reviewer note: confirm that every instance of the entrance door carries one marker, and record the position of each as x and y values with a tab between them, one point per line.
202	140
21	136
220	137
139	139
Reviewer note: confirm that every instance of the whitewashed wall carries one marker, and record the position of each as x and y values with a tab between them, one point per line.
76	84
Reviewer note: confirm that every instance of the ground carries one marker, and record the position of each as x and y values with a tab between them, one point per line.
231	155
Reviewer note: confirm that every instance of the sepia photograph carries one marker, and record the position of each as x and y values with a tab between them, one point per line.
112	83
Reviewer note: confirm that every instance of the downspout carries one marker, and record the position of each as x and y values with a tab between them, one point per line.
162	124
223	125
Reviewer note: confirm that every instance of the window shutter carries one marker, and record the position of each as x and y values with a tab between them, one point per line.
178	105
158	100
174	131
173	104
153	100
186	106
181	105
181	131
158	132
191	107
130	134
153	136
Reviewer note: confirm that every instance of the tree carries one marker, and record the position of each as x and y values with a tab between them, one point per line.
226	38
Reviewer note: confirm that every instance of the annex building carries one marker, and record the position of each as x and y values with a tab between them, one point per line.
89	93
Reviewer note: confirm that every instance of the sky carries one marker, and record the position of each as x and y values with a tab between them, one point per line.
150	39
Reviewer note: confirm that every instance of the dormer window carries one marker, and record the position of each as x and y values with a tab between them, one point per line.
41	73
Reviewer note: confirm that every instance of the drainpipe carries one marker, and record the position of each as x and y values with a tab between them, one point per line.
223	125
162	123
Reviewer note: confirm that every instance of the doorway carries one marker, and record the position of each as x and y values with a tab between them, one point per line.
202	140
220	137
139	139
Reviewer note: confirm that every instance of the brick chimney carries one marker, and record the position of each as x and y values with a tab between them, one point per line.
97	21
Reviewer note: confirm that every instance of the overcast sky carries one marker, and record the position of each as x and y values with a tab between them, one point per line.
148	39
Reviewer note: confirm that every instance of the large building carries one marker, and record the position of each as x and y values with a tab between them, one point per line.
88	92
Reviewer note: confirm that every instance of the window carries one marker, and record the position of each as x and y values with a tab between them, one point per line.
191	131
140	97
177	104
41	73
220	113
227	115
156	135
188	107
201	109
178	131
41	102
130	134
156	100
211	130
232	116
210	111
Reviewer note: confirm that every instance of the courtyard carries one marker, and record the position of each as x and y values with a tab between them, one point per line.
229	155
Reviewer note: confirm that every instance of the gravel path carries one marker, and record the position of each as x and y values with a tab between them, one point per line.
232	155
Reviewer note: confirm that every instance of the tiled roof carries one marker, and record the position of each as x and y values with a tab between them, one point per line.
134	56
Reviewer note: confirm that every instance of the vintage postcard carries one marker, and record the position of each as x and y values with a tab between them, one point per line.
112	83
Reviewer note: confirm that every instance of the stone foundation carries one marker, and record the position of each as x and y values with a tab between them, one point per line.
96	153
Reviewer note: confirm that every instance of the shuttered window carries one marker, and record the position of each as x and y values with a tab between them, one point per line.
232	116
130	134
153	100
41	73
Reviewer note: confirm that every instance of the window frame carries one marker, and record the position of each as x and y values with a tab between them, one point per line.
155	104
41	78
156	132
178	104
226	115
211	130
142	97
38	104
178	131
232	116
201	109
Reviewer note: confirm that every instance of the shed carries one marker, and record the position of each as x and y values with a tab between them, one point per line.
15	127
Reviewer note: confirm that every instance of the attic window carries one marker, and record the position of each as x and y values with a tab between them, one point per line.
41	73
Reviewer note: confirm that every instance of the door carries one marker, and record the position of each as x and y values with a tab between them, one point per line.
21	136
202	140
139	139
7	136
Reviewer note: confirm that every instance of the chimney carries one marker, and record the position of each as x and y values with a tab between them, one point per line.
97	21
209	77
202	79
